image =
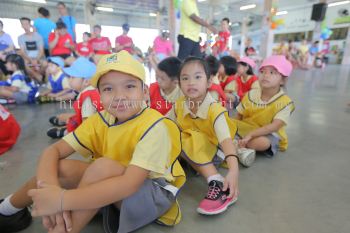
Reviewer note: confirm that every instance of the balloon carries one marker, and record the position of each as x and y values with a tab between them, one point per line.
273	25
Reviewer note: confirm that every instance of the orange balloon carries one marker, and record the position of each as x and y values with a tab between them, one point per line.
273	25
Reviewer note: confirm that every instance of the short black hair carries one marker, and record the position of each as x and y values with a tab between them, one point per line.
230	65
44	12
62	4
226	19
60	25
250	69
199	60
97	26
87	33
25	19
213	64
171	66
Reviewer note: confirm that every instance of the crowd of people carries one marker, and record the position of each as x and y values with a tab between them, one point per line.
202	112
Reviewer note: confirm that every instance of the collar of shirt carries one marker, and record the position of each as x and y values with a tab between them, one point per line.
113	120
173	96
216	80
256	96
56	76
203	109
17	72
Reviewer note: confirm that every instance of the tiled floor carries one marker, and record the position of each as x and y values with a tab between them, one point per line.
304	190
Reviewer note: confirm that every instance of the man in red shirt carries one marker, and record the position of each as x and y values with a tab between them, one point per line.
61	43
124	42
100	44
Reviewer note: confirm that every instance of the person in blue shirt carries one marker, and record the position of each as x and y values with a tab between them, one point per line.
67	19
44	26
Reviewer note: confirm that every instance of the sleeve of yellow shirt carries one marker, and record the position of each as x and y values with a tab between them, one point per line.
65	83
87	108
221	128
284	114
255	85
189	7
81	139
153	151
171	114
231	87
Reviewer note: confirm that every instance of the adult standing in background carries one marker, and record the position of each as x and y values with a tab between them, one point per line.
190	27
67	19
163	46
124	42
44	26
101	45
31	49
6	47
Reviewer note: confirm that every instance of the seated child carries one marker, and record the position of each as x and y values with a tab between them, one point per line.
19	87
215	88
134	174
88	101
58	82
84	49
245	78
227	71
10	130
165	91
206	128
264	113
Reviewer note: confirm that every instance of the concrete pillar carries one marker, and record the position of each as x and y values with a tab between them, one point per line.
174	24
267	33
346	55
89	14
244	31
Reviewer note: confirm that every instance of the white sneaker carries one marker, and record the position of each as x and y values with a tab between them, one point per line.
246	156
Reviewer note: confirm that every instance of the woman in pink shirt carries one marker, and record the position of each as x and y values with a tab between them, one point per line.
162	46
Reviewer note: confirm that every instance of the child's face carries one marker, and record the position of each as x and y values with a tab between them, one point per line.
193	81
270	78
164	81
86	38
11	66
52	68
241	69
221	70
76	83
224	25
121	94
97	31
25	25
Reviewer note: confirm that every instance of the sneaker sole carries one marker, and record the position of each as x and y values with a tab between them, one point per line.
201	211
249	160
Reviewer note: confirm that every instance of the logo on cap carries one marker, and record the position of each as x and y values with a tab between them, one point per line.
112	58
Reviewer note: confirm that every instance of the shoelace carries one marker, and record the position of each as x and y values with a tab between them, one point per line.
213	192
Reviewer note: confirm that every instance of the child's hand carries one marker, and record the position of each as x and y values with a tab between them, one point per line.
231	182
244	141
46	200
61	222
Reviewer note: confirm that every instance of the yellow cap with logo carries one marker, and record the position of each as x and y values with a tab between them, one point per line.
122	62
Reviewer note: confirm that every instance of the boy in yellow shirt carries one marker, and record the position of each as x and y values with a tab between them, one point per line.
134	175
264	113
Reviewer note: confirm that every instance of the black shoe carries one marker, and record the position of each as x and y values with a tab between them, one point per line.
16	222
55	132
110	219
56	122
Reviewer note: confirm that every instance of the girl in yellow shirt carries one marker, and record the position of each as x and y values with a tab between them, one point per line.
263	114
206	130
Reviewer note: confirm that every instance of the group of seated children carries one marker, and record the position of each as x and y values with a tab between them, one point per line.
134	175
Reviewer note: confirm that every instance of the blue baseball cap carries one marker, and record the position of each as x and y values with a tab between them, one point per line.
57	61
81	68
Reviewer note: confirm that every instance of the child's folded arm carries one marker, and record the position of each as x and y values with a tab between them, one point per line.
47	170
267	129
97	195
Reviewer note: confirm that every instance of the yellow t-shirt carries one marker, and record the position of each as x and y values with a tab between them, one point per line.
65	82
188	28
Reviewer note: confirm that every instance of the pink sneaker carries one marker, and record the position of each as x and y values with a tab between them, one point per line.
216	200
